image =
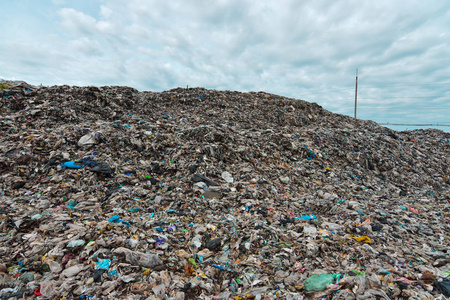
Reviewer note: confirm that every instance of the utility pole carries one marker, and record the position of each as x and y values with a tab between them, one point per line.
356	92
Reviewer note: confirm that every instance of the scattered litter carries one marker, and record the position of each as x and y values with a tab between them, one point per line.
108	192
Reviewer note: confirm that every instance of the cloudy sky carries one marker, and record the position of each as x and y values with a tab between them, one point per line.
306	50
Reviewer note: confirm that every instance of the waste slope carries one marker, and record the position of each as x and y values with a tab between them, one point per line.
205	194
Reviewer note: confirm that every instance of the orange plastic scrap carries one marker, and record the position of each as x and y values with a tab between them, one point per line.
364	239
188	269
366	222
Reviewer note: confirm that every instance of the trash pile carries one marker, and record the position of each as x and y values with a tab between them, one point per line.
112	193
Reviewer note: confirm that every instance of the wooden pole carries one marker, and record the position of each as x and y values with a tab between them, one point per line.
356	92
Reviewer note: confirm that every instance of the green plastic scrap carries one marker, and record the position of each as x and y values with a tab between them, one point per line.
192	262
359	273
319	282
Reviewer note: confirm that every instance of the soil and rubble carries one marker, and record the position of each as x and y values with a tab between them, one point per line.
112	193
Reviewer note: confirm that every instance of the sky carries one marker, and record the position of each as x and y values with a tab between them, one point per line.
307	50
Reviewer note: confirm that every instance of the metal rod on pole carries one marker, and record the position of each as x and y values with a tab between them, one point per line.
356	92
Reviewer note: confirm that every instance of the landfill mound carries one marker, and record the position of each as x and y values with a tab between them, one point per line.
112	193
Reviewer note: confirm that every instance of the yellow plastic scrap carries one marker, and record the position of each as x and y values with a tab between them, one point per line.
146	272
43	258
364	239
200	274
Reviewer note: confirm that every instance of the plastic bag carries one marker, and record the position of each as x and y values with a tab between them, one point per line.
227	177
443	286
364	239
117	219
319	282
139	258
72	165
88	140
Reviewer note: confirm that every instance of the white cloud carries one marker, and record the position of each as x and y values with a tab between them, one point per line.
77	21
86	46
106	12
298	49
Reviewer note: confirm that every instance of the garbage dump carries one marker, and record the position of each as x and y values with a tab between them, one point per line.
112	193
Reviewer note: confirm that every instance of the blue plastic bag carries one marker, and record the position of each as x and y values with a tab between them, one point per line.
116	219
306	218
71	165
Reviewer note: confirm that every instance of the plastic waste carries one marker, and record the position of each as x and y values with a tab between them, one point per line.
443	286
72	271
26	277
364	239
71	204
100	168
139	259
319	282
201	185
307	218
75	243
220	267
103	264
197	241
213	244
209	182
227	177
36	216
87	161
88	139
96	277
72	165
117	219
